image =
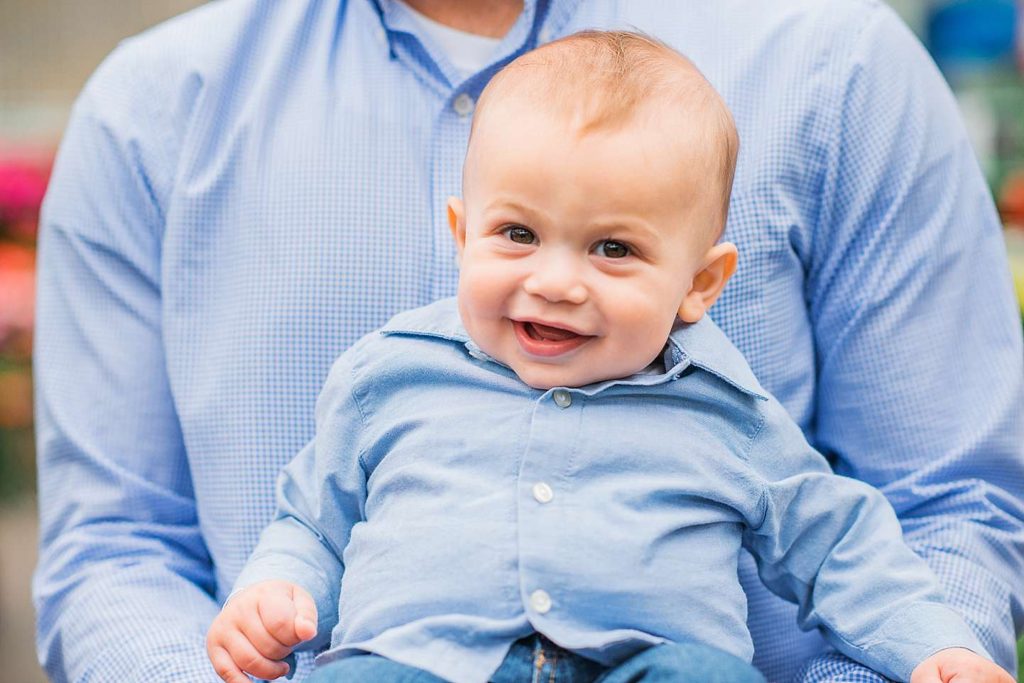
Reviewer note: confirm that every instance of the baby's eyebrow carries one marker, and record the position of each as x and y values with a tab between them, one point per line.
633	228
513	206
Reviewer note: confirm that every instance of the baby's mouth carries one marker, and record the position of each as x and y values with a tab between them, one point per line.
542	332
538	339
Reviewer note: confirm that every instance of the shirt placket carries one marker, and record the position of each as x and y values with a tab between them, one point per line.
542	496
451	135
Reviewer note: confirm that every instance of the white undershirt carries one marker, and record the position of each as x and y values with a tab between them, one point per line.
468	52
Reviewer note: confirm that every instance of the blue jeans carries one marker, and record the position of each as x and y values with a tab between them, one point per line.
535	659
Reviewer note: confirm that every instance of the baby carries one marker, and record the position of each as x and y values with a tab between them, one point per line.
554	474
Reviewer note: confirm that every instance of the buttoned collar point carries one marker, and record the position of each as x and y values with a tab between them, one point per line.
702	345
707	347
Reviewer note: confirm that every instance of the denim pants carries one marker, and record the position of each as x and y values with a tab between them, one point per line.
535	659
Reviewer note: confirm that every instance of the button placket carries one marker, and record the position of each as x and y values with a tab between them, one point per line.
463	105
555	423
447	149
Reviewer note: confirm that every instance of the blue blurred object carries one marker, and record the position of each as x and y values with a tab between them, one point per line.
966	35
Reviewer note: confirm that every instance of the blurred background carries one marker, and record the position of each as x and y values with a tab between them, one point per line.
47	50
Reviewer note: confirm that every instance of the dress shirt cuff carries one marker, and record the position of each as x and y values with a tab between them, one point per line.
835	667
911	636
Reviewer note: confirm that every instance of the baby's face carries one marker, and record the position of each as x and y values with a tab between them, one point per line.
576	253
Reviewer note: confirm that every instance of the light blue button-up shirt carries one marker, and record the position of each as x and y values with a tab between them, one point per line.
245	191
445	509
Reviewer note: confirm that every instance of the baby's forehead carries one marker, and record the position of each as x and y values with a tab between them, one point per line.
591	87
664	127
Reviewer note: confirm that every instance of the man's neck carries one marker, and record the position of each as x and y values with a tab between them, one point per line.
491	18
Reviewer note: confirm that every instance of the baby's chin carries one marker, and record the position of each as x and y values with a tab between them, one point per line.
549	377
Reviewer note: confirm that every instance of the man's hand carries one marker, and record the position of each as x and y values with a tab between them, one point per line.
257	628
957	665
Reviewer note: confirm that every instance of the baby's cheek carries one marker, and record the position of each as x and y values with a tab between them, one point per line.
475	294
484	285
647	329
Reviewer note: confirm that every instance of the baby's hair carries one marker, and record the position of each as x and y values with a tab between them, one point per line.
603	80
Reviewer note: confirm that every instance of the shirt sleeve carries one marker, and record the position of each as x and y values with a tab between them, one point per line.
834	546
918	340
124	582
321	496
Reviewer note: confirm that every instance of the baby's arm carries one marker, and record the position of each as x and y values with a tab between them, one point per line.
258	627
957	665
834	546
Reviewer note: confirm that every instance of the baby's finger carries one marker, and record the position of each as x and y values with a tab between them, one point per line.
306	616
926	672
264	642
225	666
277	612
250	661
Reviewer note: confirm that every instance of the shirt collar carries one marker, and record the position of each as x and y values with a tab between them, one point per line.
701	344
387	9
705	345
521	36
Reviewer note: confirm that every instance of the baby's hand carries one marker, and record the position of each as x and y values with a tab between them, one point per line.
957	665
258	626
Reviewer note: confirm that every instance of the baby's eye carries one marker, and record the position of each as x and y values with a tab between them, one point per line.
612	249
520	235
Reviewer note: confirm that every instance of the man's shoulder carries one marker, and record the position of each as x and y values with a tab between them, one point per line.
193	41
790	14
743	20
214	33
214	47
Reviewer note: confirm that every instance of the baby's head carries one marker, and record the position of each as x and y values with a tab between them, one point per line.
595	188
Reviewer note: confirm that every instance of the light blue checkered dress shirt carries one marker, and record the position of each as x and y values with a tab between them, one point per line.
246	190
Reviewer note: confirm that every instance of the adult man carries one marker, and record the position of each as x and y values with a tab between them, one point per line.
246	190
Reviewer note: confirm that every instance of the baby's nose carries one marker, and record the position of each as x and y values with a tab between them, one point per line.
558	281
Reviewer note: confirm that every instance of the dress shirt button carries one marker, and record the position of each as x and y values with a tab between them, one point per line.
562	398
463	105
545	35
540	601
542	492
381	35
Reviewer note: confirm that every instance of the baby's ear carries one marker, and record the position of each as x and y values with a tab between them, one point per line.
457	222
716	268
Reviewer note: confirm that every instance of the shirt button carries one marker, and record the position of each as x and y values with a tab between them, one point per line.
542	492
545	35
562	398
381	35
463	105
540	601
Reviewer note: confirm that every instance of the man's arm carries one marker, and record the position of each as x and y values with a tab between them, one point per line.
832	545
124	583
919	360
321	496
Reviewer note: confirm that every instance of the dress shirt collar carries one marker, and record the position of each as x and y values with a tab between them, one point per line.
701	344
533	26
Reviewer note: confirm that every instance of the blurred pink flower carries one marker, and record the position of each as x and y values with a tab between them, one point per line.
22	186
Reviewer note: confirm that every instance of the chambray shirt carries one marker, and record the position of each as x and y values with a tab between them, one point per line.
245	191
445	509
